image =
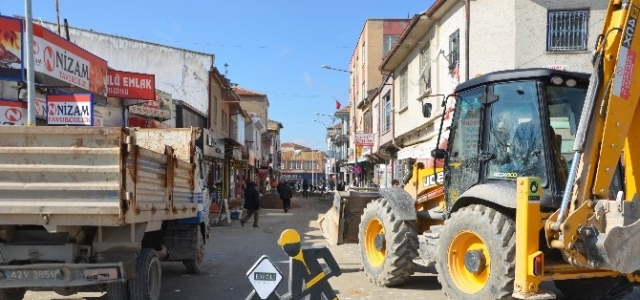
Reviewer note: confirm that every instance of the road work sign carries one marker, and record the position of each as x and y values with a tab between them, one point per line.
264	276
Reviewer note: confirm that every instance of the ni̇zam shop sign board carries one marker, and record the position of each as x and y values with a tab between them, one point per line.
13	112
75	109
11	59
66	61
131	85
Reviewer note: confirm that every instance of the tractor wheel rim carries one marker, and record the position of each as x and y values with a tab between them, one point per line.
374	256
465	280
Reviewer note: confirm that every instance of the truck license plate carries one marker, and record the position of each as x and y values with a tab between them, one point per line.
32	274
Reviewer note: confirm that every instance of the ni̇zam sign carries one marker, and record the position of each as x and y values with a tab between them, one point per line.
63	60
131	85
76	109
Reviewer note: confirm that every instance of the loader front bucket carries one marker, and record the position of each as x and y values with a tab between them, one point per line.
340	224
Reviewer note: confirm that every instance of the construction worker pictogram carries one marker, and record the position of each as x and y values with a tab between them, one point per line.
307	278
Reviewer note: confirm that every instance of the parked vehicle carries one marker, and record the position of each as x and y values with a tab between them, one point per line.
98	208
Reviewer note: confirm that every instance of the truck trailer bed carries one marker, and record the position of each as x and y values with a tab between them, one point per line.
95	176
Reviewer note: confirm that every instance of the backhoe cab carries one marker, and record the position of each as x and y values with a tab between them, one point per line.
509	155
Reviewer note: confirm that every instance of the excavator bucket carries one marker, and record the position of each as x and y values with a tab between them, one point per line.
614	244
340	224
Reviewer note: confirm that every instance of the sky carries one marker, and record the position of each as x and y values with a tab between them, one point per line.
275	47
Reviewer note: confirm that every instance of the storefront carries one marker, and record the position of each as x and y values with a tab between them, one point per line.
213	153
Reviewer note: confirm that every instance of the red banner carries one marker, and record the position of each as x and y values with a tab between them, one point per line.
66	61
131	85
11	61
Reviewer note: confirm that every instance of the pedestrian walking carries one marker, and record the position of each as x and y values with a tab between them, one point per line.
341	185
251	204
285	194
305	187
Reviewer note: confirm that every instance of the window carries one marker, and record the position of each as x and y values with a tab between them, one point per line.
425	70
388	40
454	49
364	91
516	133
386	123
567	30
364	58
368	126
404	88
225	121
215	109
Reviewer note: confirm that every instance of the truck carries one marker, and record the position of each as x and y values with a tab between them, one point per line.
98	208
538	185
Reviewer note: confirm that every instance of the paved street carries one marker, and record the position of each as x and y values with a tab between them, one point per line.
235	249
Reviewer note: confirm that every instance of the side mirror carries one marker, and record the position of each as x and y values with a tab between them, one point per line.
426	110
438	153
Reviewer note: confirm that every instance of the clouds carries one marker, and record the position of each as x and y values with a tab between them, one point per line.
308	81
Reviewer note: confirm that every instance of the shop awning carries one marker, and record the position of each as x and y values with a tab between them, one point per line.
418	151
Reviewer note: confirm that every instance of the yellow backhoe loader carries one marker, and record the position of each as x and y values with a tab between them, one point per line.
538	184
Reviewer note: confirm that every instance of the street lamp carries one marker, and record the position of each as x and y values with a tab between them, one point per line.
335	69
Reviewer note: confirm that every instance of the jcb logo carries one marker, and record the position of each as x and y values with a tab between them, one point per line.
431	180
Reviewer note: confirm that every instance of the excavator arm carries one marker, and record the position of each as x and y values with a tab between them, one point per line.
596	227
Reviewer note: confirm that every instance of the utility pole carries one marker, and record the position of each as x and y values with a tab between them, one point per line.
31	82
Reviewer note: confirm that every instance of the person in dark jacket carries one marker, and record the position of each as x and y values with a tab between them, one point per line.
251	204
285	194
305	187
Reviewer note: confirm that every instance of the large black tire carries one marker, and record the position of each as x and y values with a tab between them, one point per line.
117	291
477	227
194	266
391	262
12	294
149	273
604	288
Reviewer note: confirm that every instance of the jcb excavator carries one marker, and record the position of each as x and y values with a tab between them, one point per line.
538	179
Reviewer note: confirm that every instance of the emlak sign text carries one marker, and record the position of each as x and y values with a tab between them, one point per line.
131	85
76	109
66	61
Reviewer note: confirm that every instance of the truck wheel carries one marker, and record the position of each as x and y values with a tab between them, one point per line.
117	291
602	288
194	266
147	284
476	254
387	245
12	294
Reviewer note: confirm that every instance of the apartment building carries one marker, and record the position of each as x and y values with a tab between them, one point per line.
374	43
436	52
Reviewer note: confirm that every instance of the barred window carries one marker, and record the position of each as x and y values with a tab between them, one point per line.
567	30
425	70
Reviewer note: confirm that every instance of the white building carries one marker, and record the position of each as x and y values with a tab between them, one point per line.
430	57
182	73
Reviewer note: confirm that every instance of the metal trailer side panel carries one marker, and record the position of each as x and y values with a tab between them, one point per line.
60	175
151	177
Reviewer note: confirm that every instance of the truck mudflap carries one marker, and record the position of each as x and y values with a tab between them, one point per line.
52	275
